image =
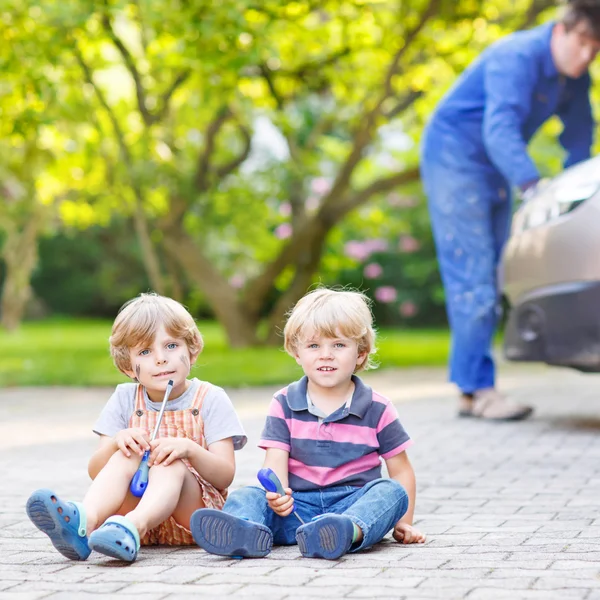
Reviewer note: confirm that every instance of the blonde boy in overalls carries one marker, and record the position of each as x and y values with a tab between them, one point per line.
154	339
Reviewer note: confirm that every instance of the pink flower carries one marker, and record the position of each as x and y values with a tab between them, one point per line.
285	209
320	186
386	294
237	281
373	270
408	244
408	309
376	245
356	250
284	231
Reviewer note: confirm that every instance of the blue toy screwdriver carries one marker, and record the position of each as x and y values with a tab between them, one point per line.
269	480
140	479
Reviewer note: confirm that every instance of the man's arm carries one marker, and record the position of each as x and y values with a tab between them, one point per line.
509	83
576	116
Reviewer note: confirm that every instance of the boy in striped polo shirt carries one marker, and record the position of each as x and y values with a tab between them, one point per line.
324	436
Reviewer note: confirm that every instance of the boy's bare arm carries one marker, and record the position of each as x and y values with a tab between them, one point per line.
277	460
400	469
217	464
108	446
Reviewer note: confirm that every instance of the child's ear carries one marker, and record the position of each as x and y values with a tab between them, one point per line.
193	357
130	374
360	359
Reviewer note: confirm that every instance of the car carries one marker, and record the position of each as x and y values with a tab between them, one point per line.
550	273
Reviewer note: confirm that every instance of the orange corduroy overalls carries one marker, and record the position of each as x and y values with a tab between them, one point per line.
178	423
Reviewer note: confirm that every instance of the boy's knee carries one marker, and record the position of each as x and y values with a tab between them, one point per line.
177	466
394	488
127	463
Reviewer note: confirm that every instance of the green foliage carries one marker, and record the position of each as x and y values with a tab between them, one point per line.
125	110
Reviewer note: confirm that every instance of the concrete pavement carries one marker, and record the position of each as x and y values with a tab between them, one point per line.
511	510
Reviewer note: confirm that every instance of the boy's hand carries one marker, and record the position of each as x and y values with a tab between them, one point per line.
407	534
281	505
135	439
165	450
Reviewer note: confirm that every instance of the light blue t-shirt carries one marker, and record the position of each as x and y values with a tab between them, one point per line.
218	415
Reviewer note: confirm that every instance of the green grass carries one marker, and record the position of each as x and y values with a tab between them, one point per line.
75	352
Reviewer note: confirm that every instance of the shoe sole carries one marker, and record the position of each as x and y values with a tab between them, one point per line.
515	417
220	533
107	542
328	537
43	512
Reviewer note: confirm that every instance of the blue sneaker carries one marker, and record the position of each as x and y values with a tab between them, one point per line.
327	536
220	533
63	522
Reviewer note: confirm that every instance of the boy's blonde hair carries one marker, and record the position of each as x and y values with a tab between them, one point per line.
139	319
331	313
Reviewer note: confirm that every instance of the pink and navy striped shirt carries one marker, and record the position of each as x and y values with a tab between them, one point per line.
344	448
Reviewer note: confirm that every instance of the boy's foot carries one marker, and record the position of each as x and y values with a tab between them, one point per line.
491	405
118	538
63	522
220	533
328	536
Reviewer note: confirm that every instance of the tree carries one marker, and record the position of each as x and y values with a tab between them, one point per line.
182	93
25	95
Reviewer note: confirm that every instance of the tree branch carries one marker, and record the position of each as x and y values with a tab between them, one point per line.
267	75
364	133
201	177
166	97
87	72
385	184
130	64
233	164
404	103
143	36
150	259
311	66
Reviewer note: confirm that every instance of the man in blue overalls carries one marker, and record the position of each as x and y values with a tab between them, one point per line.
475	151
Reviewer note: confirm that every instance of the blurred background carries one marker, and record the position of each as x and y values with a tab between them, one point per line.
230	155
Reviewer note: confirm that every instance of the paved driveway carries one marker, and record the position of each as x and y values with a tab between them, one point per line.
511	510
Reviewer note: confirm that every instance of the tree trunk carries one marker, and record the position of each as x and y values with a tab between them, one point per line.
149	256
307	264
240	326
20	257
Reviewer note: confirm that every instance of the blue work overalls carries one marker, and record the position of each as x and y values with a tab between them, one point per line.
474	151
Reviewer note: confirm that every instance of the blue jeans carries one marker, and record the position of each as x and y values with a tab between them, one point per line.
470	210
375	508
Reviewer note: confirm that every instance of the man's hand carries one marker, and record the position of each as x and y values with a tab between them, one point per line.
281	505
407	534
532	189
165	450
135	439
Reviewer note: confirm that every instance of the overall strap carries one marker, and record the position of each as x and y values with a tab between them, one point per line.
140	402
199	397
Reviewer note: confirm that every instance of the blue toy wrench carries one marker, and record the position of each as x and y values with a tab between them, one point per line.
269	480
140	479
